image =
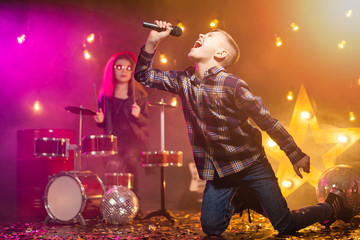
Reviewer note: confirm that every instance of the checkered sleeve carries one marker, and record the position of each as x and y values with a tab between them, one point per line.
255	109
155	78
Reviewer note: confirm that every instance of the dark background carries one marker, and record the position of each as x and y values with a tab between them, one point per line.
49	67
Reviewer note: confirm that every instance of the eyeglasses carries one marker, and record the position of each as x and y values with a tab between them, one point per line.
120	67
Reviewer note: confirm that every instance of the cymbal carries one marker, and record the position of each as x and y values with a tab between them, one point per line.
81	109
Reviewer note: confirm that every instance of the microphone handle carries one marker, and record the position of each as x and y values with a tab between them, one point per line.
175	30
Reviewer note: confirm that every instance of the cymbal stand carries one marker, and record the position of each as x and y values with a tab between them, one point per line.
163	211
77	160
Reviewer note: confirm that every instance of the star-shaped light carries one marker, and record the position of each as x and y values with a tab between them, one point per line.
327	143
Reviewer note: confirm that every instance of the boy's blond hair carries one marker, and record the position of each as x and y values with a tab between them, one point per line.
232	48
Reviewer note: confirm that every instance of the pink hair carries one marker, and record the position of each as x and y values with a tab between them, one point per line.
107	86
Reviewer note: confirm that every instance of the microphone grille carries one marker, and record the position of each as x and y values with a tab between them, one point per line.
176	31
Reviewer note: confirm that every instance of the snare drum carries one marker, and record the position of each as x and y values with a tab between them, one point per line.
161	158
119	179
51	147
99	145
73	195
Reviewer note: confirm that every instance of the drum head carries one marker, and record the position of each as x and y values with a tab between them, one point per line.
64	198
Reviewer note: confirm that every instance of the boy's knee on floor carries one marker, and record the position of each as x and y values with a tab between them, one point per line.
212	227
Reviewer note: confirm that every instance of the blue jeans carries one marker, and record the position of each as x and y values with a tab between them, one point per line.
256	188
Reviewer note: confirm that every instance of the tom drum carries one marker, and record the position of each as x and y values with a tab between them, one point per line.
99	145
51	147
162	158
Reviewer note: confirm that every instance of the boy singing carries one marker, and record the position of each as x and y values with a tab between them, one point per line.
227	148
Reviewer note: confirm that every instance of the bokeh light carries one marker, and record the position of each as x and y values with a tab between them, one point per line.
341	44
287	183
294	27
36	106
180	25
214	23
271	143
174	102
348	14
352	116
278	41
163	59
87	54
21	39
290	96
305	115
90	38
342	139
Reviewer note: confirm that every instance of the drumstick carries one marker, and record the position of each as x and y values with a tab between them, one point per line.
96	100
133	88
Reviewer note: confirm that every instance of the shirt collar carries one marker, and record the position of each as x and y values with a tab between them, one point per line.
190	72
214	70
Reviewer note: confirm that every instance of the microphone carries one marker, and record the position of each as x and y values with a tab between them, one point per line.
175	30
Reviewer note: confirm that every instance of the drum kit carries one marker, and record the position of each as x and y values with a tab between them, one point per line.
72	196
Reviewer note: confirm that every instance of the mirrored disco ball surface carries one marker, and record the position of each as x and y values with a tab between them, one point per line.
344	178
119	205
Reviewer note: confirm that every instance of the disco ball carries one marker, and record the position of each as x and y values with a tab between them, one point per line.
119	205
344	178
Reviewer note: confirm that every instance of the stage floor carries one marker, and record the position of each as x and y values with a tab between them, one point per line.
187	226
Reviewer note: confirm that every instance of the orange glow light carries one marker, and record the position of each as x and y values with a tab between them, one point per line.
294	27
271	143
290	96
180	25
174	102
352	116
214	23
342	139
21	39
278	41
287	183
90	38
305	115
163	59
87	54
341	44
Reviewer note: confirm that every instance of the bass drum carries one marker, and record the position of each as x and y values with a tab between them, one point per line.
72	196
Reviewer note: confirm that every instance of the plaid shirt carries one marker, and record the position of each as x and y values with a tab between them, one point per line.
217	110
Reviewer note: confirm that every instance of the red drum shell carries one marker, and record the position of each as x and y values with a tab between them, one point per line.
71	194
99	145
162	158
119	179
51	147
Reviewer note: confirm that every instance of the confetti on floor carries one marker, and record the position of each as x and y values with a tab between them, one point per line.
186	226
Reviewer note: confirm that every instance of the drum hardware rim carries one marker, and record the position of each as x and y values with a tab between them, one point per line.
83	196
99	136
96	153
119	174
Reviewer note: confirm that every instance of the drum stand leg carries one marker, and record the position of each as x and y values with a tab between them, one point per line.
163	211
81	220
46	220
